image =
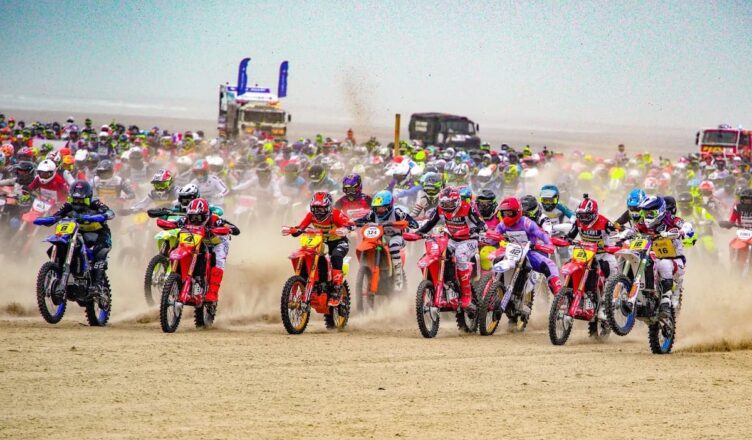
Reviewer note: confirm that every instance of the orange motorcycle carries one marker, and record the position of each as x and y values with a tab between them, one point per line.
375	259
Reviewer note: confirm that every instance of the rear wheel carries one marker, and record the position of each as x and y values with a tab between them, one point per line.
170	311
204	314
364	299
426	314
616	293
559	322
338	316
599	329
98	309
154	278
294	312
661	334
489	314
51	309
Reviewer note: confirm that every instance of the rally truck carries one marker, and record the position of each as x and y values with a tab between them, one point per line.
445	130
725	140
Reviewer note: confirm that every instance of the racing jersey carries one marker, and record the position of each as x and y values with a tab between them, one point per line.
741	216
459	223
337	220
55	189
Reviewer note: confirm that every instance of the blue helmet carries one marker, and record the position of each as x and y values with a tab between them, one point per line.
549	197
653	211
465	193
635	197
382	204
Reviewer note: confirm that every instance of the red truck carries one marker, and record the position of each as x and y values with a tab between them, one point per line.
725	141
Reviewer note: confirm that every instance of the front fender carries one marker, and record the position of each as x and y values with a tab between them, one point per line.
180	253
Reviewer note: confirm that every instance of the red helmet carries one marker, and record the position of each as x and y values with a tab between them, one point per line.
587	212
707	188
198	212
511	210
321	205
450	200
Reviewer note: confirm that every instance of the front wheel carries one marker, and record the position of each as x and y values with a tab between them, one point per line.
559	322
426	314
489	314
616	301
154	278
662	332
52	309
337	317
98	308
294	312
364	299
170	310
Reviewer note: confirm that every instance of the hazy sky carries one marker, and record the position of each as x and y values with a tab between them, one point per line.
681	64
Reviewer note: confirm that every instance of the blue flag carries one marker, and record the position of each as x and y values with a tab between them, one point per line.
242	76
282	86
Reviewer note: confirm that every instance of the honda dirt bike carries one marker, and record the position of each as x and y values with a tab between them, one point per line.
189	277
741	247
375	260
67	276
581	295
635	293
512	289
440	289
311	286
159	268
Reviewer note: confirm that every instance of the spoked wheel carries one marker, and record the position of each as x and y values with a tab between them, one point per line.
364	299
338	316
662	332
170	310
52	309
294	312
621	317
204	314
154	278
467	320
559	322
599	329
489	313
98	309
426	314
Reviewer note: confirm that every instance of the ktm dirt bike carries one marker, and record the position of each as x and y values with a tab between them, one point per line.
511	291
741	248
581	295
440	289
635	293
311	287
68	274
189	278
376	260
159	268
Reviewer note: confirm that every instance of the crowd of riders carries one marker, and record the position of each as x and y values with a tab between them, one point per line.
118	170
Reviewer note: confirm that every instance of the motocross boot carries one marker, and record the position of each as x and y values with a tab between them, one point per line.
214	282
334	294
397	275
554	283
466	290
667	287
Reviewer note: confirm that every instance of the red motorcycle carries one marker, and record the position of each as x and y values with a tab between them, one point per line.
189	277
439	290
311	286
581	295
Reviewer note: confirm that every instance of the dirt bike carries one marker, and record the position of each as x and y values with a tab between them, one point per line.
439	290
189	277
132	249
634	293
511	290
741	247
581	295
311	287
22	240
159	268
375	260
67	276
245	209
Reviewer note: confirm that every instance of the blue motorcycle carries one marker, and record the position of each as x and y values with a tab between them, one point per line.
68	274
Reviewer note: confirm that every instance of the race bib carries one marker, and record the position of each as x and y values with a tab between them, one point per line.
582	255
664	248
638	245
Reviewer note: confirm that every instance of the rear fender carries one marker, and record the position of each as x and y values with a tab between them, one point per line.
367	245
738	244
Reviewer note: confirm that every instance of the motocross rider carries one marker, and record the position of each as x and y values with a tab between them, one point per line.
81	201
633	213
212	188
354	198
463	225
556	211
163	191
108	186
513	225
741	215
319	179
325	217
428	198
49	183
383	211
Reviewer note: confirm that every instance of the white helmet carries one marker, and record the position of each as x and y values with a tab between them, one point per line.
184	164
81	155
216	163
188	193
46	171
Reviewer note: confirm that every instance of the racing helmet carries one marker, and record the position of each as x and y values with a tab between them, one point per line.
382	204
317	174
105	170
634	198
653	211
46	171
530	206
587	212
486	203
187	194
511	210
80	194
198	212
321	205
352	185
162	181
450	200
549	197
